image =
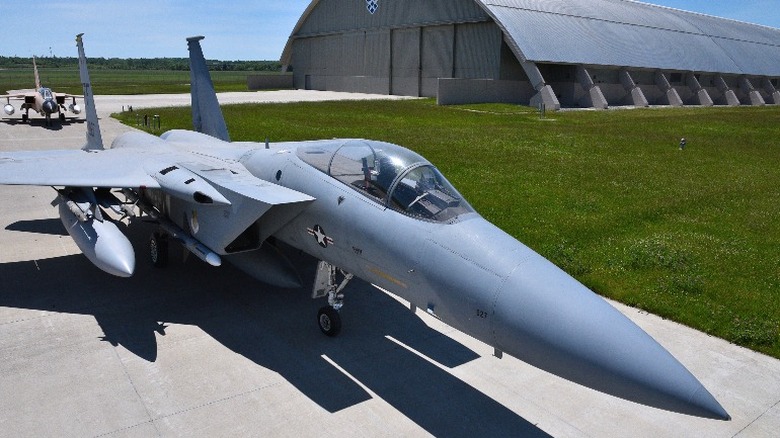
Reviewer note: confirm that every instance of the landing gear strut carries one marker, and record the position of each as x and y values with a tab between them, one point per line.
326	284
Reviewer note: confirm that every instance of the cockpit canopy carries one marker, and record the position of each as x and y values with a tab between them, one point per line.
46	93
389	174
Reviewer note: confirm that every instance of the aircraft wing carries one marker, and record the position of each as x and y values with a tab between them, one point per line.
67	96
23	94
114	168
128	168
17	94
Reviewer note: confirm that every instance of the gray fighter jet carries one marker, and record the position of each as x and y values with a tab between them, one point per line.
42	100
364	208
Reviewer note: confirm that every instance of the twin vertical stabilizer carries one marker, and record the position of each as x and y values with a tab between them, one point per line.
94	139
37	76
206	114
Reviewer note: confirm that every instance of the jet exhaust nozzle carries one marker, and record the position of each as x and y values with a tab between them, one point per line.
9	109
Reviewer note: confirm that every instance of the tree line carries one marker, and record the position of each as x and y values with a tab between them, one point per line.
181	64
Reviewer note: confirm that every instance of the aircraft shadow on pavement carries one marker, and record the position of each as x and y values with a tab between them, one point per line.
52	226
56	124
275	329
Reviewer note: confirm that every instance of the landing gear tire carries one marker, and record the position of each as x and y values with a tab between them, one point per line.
62	118
329	321
24	118
158	250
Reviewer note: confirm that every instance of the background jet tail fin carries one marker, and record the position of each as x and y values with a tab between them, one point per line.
37	76
206	114
94	139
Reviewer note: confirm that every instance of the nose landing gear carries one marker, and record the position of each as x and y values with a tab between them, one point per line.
326	284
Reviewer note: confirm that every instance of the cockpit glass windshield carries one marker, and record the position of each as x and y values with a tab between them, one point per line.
46	93
390	175
423	192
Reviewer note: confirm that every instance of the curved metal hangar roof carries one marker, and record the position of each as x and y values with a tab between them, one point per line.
626	33
633	34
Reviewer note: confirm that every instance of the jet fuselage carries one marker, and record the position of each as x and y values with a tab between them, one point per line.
470	274
386	215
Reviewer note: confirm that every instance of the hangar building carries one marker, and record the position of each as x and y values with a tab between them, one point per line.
570	53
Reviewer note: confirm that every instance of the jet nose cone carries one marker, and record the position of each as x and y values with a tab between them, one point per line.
548	319
50	107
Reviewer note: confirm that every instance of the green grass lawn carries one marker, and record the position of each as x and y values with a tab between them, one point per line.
119	81
690	235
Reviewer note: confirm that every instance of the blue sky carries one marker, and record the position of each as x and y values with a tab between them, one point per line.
239	29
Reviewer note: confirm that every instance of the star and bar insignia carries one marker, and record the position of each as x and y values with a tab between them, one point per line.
322	239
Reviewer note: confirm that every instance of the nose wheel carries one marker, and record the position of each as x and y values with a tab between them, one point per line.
329	320
326	284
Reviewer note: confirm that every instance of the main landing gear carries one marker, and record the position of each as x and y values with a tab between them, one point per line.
158	249
326	284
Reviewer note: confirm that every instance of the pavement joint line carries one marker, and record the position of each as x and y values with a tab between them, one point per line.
747	426
540	407
191	408
44	314
123	429
135	389
220	400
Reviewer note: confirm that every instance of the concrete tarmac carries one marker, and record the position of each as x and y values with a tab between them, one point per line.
192	350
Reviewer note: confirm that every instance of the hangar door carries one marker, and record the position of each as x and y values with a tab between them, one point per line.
438	43
405	78
420	56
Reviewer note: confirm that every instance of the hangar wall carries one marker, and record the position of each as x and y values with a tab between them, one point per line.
535	51
405	50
